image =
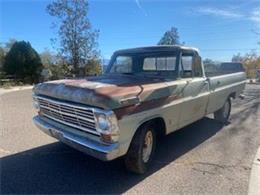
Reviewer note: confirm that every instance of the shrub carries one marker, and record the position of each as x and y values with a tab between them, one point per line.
93	67
23	62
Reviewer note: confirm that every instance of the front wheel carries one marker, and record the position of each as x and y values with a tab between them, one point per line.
141	150
223	113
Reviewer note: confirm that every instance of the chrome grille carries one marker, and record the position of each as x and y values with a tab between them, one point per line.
79	117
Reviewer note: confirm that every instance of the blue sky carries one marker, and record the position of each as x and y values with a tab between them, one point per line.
218	28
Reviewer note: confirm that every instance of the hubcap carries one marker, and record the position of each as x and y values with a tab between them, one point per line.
226	110
148	146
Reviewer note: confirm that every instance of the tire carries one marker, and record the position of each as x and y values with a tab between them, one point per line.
138	159
223	113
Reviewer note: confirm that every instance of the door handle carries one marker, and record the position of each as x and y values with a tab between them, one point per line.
218	82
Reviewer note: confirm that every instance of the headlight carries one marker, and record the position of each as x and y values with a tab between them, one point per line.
106	125
102	122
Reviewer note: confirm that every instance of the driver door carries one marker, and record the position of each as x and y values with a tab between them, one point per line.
195	92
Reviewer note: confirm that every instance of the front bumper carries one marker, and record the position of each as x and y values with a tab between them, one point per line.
84	144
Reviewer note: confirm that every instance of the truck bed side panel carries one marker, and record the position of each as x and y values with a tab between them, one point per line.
222	87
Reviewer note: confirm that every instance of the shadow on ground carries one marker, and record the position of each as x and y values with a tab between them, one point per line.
56	168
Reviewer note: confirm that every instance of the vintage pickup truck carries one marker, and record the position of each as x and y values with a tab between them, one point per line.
145	92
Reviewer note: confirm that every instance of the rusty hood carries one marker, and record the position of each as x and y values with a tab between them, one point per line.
107	91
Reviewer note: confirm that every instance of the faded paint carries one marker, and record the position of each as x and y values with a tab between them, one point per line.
106	92
137	99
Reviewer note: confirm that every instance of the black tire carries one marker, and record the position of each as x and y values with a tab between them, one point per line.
134	158
221	115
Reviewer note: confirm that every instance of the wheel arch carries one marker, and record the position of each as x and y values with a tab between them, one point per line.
157	122
134	156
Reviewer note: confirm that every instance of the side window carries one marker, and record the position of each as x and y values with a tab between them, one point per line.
191	66
197	70
186	66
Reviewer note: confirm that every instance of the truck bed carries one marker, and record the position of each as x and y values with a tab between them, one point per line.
222	86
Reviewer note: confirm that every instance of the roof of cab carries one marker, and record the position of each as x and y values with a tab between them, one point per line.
158	48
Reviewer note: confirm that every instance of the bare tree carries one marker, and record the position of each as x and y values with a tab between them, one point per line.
78	42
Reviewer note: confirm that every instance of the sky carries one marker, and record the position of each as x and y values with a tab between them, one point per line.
218	28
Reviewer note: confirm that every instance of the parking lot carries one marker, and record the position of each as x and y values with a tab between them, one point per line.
203	158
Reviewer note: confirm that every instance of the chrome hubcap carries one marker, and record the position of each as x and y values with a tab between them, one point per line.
148	146
226	110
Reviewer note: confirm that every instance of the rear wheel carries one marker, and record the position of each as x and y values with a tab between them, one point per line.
141	150
223	113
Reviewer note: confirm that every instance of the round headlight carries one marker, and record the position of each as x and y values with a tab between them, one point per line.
102	122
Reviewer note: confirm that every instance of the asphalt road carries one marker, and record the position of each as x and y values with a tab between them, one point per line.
203	158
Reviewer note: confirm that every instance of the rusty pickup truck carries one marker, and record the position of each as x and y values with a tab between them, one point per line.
145	92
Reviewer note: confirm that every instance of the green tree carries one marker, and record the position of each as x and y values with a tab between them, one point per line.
170	37
60	69
47	58
93	67
55	66
4	48
9	44
23	62
2	57
78	42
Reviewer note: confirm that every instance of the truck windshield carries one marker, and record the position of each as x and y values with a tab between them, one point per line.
149	64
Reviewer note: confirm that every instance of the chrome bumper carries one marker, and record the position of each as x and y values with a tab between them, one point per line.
90	147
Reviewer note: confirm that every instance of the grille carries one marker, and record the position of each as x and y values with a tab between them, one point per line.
71	115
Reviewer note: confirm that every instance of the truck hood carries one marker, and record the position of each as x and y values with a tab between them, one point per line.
107	91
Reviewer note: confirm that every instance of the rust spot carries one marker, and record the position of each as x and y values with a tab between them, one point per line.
108	92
